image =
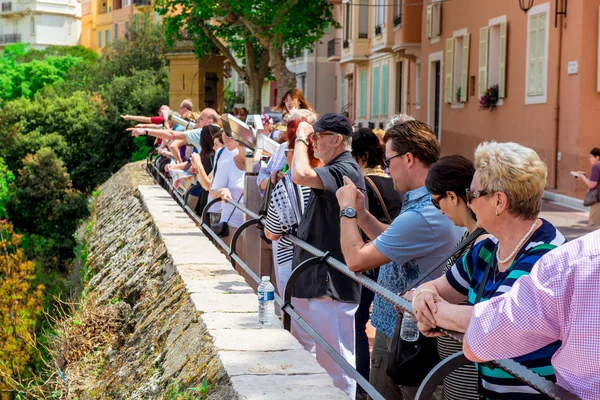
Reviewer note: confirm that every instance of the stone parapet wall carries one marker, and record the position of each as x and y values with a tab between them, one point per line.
190	316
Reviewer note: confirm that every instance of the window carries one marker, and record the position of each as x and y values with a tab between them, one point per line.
434	21
32	26
107	37
127	3
384	90
126	29
347	11
69	26
457	67
99	38
418	86
362	112
363	19
397	12
492	56
116	31
379	13
537	50
343	94
375	91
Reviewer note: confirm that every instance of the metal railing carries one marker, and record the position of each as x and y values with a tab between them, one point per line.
435	376
333	48
7	6
8	38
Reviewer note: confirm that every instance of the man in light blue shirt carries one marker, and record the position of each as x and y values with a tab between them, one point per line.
415	241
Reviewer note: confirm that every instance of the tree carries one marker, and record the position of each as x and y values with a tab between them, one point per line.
6	177
20	308
251	35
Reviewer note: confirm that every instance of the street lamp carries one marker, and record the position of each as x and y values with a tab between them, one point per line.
525	5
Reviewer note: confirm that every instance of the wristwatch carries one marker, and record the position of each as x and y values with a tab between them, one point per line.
146	131
348	212
302	139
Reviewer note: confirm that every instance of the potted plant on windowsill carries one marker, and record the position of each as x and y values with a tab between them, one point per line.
489	99
458	93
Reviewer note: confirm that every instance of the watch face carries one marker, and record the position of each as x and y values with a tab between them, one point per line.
350	212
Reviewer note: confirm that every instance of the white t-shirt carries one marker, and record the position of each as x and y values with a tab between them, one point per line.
230	177
226	155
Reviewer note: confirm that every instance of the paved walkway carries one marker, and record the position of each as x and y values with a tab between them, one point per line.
572	223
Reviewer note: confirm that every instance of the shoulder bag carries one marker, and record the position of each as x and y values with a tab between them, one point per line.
410	362
378	194
222	229
591	197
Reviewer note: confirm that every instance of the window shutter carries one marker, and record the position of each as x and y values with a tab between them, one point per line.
540	56
531	65
343	95
483	60
464	82
429	21
375	98
437	31
448	67
502	69
384	90
363	94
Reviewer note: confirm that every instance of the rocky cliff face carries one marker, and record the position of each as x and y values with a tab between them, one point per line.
137	334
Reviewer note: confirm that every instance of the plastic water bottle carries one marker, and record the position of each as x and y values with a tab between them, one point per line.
409	331
266	302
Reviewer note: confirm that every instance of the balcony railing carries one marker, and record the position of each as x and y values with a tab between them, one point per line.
378	30
7	6
141	3
8	38
333	48
398	20
346	44
363	35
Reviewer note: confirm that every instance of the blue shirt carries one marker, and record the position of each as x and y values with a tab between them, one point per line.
418	239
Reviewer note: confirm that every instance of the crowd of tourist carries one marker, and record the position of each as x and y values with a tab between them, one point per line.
462	240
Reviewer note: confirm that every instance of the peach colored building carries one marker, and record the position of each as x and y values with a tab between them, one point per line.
434	60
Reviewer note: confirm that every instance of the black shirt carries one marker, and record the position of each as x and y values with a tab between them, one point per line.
391	198
320	227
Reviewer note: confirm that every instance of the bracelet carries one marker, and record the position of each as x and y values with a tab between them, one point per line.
419	293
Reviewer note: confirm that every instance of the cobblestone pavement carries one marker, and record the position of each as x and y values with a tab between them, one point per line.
572	223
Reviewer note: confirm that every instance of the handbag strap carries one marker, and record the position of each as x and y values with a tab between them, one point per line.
231	215
376	190
457	250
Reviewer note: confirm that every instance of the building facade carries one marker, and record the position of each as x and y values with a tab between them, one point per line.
436	60
40	23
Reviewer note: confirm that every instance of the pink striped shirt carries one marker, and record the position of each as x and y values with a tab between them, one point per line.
559	300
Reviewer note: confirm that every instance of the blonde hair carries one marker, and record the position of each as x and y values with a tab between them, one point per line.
516	171
303	113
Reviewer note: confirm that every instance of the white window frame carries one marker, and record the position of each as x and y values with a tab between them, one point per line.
32	27
491	23
433	57
540	99
379	13
347	21
464	34
434	21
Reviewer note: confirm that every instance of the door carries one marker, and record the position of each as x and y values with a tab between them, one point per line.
399	86
437	100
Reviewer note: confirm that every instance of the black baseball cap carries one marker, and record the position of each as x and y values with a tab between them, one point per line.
333	122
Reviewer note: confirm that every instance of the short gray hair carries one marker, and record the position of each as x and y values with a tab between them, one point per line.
398	119
347	142
303	113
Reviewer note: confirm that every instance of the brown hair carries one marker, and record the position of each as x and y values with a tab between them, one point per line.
414	137
296	94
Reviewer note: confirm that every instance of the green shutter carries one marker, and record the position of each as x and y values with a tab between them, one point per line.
363	95
375	97
343	102
384	90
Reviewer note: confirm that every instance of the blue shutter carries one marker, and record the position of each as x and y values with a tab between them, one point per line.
363	94
384	90
375	97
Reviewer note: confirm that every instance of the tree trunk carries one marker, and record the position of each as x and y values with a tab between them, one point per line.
254	97
286	79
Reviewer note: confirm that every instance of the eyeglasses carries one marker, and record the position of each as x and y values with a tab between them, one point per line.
319	135
436	201
386	161
475	194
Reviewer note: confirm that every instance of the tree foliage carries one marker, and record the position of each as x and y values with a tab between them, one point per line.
20	307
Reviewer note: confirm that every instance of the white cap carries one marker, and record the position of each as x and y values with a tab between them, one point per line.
266	278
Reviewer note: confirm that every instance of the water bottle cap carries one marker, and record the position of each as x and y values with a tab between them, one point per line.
266	278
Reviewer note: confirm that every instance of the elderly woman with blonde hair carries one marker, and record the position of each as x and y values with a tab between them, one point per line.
506	196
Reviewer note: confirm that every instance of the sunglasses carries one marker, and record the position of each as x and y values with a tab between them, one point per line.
475	194
386	161
319	135
436	201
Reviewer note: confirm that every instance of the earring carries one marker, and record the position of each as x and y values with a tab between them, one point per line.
497	213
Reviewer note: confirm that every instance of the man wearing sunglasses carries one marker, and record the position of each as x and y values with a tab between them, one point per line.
332	297
415	241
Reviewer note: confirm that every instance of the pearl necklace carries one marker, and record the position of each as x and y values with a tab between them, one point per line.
521	242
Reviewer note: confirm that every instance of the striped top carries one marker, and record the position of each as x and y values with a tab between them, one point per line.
466	276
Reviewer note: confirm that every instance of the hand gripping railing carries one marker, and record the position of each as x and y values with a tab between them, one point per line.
435	376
